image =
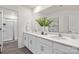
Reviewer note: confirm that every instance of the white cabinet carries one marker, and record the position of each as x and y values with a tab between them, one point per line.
26	40
64	49
44	46
57	51
45	41
44	49
32	43
39	45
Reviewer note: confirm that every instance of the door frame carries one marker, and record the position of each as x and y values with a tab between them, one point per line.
2	32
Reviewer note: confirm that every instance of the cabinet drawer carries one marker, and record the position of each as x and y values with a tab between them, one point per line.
45	41
64	48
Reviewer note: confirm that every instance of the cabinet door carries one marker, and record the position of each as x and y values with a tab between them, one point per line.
32	43
65	48
44	49
26	38
56	51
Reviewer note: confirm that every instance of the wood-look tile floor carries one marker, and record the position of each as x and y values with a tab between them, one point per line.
12	48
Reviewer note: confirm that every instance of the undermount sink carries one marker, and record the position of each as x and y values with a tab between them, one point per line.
58	37
61	37
73	37
55	36
64	38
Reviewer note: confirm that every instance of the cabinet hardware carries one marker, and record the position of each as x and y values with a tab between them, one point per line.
42	48
30	41
25	38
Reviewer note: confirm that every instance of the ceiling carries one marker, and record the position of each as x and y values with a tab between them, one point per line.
57	8
30	6
33	6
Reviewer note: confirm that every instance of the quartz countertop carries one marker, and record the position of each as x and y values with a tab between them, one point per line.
64	40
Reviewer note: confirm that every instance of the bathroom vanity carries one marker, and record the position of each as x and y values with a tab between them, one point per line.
50	44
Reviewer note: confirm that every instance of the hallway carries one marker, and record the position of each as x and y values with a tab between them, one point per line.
12	48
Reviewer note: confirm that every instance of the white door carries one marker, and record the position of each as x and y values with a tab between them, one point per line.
32	43
1	42
7	30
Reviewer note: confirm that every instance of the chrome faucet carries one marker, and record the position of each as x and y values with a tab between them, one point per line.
59	35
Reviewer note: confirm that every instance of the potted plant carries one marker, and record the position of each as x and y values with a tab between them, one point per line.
44	22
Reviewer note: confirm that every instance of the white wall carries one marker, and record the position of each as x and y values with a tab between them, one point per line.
25	17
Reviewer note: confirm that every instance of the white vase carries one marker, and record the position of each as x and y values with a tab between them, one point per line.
44	30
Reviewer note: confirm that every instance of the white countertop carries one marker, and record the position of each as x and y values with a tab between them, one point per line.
66	41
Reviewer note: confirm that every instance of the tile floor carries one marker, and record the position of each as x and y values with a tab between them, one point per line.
12	48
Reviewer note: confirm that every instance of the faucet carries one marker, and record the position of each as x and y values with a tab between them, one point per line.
59	35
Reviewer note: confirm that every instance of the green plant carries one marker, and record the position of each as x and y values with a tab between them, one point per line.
44	21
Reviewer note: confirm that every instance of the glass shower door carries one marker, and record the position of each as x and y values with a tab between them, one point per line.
1	32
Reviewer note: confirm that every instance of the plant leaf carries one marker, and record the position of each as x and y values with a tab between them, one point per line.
44	21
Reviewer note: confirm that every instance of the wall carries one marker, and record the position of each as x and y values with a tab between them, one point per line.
25	17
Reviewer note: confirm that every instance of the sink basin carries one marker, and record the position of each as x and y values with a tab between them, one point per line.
62	37
56	37
73	37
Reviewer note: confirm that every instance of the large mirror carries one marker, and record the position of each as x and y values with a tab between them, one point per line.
59	24
65	17
54	26
65	24
74	24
